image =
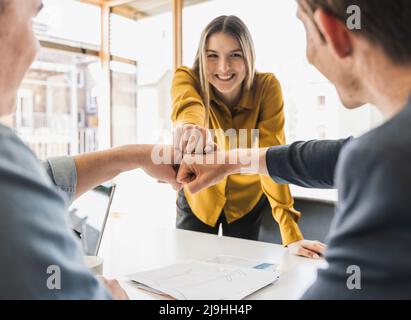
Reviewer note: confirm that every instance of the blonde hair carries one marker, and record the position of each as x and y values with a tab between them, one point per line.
235	27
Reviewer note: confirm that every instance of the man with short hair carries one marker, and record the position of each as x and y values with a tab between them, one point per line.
368	251
34	234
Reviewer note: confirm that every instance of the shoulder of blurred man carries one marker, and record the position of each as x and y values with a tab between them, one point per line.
368	231
34	232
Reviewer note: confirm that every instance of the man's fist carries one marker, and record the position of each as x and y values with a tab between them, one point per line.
198	172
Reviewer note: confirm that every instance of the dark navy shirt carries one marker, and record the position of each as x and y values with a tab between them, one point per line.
371	230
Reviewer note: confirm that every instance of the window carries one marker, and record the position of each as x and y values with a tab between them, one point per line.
124	103
149	43
70	22
57	104
56	107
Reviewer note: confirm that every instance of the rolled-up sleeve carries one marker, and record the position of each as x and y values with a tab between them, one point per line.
63	173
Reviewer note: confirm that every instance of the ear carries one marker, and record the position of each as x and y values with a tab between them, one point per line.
335	33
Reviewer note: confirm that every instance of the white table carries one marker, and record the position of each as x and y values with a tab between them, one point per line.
127	248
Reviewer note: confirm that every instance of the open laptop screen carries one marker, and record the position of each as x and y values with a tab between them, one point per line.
88	216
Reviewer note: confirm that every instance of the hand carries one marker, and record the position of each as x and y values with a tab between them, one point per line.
117	292
308	248
196	174
190	138
159	164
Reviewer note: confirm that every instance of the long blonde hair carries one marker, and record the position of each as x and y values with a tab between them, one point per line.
235	27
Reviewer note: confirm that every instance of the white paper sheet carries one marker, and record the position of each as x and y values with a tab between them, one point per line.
194	280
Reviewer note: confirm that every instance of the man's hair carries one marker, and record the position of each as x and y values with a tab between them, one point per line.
384	23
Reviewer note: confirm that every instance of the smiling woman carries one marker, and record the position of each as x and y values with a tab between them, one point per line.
223	92
229	37
226	68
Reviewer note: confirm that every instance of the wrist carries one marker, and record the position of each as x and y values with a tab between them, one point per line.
232	165
262	162
251	161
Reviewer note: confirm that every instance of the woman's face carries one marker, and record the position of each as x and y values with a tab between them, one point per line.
226	67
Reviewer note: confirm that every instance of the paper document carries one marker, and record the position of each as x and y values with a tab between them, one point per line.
210	280
243	262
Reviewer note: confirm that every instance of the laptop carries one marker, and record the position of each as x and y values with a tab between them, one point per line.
88	216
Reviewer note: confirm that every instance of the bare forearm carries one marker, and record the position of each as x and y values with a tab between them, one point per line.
97	167
200	171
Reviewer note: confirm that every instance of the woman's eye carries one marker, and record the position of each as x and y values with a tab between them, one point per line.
236	55
212	56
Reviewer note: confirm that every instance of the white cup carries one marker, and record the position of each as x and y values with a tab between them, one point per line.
95	263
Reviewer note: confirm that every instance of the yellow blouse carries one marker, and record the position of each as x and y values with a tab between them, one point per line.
260	108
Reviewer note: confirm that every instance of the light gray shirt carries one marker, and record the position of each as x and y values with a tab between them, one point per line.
40	257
